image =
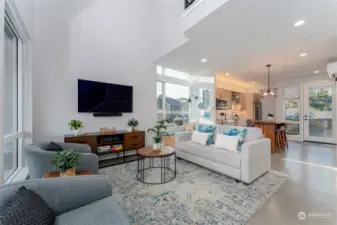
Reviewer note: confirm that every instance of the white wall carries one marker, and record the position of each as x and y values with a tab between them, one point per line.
198	11
109	41
168	31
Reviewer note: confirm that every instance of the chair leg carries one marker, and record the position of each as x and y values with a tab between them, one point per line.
278	141
285	138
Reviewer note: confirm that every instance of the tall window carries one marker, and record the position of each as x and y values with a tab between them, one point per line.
11	101
292	110
160	110
173	102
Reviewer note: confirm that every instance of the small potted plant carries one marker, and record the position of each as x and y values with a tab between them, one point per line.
75	126
66	161
270	116
158	133
132	123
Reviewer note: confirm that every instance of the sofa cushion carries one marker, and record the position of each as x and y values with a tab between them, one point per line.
237	131
199	137
27	208
226	142
223	156
206	128
188	146
104	212
253	133
54	147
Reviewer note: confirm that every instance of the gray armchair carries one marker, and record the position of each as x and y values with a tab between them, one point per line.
74	200
39	160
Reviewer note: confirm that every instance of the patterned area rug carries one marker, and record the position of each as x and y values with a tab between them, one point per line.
196	196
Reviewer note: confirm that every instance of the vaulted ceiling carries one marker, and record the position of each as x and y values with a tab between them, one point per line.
242	36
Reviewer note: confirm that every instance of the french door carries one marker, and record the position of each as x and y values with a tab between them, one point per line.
320	112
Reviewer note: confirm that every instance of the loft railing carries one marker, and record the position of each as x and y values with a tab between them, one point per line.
188	3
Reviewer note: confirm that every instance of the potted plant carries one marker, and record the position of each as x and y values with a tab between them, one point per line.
270	116
75	126
158	133
66	161
132	123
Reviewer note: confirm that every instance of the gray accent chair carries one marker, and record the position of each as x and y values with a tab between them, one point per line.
74	200
39	159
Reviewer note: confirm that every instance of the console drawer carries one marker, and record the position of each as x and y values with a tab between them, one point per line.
134	140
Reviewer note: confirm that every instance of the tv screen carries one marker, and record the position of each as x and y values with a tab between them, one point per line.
103	97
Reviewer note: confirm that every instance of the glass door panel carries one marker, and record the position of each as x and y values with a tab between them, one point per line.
319	112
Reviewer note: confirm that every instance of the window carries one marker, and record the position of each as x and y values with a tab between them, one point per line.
206	79
292	110
12	133
173	102
176	74
160	115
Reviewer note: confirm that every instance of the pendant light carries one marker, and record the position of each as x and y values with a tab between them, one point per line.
269	92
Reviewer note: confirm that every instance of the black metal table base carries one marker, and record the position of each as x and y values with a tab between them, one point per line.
165	168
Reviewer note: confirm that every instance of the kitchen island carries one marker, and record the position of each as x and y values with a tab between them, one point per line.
268	130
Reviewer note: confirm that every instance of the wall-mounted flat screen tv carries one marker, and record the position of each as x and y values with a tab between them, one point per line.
99	97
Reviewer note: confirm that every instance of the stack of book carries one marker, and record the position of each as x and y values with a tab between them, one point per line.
115	148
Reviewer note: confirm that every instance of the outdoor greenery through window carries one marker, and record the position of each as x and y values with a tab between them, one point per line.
320	111
172	102
292	110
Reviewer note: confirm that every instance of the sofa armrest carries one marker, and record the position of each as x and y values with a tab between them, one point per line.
183	136
88	162
255	159
63	194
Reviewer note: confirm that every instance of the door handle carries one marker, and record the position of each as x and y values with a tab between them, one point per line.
305	117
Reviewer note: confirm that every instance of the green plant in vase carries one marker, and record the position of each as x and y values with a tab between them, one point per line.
75	126
132	123
66	161
159	130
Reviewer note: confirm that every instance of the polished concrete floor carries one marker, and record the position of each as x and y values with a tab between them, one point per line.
311	187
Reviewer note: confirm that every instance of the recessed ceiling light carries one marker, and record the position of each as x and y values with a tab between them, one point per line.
299	23
316	71
227	74
204	60
303	54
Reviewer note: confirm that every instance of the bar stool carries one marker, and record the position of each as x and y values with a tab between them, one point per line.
281	137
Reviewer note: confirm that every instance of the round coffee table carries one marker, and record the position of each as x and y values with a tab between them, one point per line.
167	173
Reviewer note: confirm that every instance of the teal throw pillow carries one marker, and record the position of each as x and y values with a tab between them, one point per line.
237	131
205	128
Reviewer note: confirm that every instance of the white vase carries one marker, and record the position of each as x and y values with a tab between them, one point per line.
156	146
270	118
129	129
76	132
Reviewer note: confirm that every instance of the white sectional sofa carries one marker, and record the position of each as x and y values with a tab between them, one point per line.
245	166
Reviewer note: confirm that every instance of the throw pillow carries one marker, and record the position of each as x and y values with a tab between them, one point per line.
200	138
54	147
27	208
237	131
205	128
226	142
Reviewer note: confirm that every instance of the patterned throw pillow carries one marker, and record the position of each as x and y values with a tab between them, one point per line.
205	128
27	208
237	131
